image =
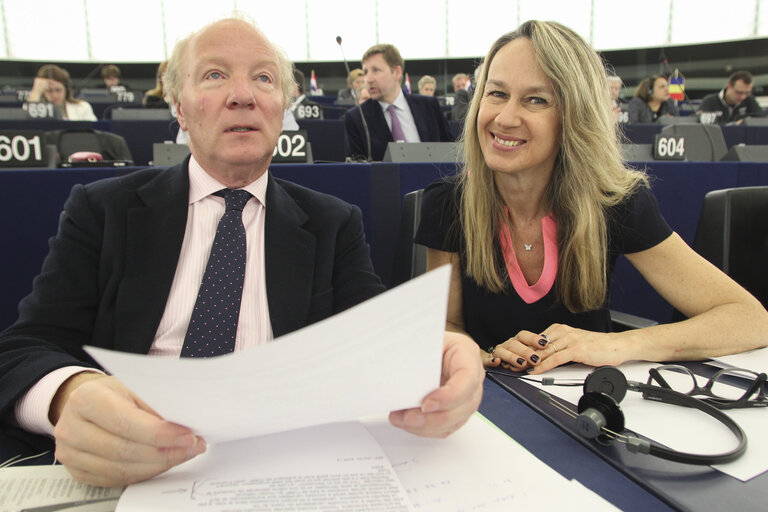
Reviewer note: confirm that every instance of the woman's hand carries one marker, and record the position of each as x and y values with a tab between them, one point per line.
559	344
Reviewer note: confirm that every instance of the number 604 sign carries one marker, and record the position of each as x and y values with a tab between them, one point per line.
669	147
22	148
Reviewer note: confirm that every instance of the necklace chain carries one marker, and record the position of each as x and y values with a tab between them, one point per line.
527	247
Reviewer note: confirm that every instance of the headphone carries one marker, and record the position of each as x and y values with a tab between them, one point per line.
599	414
651	82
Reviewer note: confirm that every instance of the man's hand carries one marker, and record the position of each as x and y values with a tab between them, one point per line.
106	436
447	408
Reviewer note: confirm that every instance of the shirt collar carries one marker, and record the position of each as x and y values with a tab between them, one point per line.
399	102
202	184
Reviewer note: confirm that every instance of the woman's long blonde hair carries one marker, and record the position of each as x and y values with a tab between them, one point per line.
589	174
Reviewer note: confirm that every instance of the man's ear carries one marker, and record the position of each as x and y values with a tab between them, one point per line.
180	115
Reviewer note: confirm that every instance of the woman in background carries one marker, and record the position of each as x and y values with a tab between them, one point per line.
651	101
52	85
543	206
155	98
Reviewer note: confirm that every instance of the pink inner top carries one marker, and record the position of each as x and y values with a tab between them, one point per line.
534	292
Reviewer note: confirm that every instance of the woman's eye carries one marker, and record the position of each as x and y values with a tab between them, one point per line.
537	100
214	75
497	94
264	78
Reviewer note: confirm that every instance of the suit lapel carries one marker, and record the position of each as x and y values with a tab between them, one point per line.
289	260
154	234
419	115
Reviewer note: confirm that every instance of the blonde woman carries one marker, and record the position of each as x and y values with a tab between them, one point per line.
542	208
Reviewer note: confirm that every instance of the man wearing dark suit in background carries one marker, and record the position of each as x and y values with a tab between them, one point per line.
124	269
419	116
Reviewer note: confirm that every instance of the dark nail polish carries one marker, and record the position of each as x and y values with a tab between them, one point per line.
543	342
520	361
535	358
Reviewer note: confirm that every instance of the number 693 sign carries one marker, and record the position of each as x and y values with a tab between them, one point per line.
22	148
669	147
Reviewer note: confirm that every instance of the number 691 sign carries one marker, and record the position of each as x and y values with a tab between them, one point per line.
22	148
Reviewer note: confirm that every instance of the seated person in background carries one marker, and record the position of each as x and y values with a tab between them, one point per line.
52	85
542	208
461	97
124	269
155	98
355	80
112	76
394	116
651	101
301	106
732	104
427	85
614	87
363	94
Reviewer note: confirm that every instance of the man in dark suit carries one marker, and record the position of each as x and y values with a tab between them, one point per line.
124	269
419	117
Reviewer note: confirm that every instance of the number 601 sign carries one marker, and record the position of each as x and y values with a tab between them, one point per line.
22	148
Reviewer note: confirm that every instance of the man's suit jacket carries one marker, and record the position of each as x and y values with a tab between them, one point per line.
110	267
430	122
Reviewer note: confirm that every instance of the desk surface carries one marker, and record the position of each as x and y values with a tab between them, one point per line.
629	481
691	487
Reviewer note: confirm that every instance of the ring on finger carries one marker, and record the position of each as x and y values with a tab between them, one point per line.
554	347
491	351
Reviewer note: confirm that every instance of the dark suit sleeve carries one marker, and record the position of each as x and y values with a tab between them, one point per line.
442	122
57	318
354	279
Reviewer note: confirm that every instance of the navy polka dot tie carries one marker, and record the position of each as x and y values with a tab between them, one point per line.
213	326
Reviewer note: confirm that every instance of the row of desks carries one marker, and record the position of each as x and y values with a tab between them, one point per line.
31	200
326	136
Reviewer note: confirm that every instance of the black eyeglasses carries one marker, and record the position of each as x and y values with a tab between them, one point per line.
724	390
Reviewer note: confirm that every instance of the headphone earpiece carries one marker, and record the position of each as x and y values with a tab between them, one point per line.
649	94
607	380
598	412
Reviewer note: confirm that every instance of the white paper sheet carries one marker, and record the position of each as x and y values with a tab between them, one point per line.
679	428
382	355
755	360
478	467
27	487
328	467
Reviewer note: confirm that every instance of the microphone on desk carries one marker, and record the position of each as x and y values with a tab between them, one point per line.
354	96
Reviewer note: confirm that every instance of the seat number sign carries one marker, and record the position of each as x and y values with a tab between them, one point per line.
22	148
669	147
291	147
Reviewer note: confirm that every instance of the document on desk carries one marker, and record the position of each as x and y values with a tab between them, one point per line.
382	355
755	360
338	466
51	488
479	467
343	467
682	428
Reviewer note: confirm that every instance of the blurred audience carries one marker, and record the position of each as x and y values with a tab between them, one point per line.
732	104
155	98
461	97
52	85
614	87
394	116
112	78
427	85
651	101
355	81
301	106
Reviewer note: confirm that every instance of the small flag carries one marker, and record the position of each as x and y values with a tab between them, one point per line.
313	83
407	84
468	85
677	86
